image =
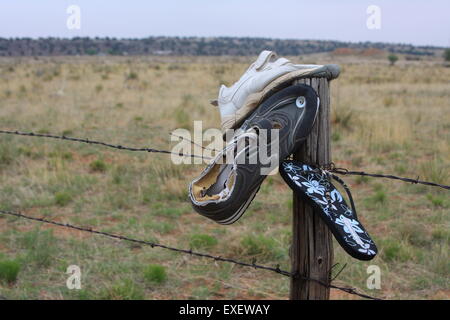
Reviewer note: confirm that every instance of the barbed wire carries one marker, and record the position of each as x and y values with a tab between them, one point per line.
344	289
95	142
328	167
148	243
192	142
342	171
331	167
190	252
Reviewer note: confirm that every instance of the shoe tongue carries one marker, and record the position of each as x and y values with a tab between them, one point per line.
264	58
223	90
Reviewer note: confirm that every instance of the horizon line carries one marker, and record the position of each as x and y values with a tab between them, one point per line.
212	37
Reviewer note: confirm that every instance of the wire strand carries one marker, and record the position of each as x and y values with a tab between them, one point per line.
253	264
95	142
329	167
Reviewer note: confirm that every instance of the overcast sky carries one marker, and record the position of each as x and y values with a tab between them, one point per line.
418	22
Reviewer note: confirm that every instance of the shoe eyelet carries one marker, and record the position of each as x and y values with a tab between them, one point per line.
276	125
300	102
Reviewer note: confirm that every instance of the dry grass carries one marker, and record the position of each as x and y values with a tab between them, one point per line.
385	119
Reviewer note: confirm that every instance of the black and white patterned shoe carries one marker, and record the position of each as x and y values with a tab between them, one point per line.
314	186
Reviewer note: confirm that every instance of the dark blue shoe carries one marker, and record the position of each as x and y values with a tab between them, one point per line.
223	191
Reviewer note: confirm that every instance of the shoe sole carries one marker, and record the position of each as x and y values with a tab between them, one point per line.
255	99
241	210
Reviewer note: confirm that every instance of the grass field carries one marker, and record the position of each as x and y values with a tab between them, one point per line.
387	119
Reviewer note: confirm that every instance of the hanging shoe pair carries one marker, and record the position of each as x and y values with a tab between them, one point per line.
225	189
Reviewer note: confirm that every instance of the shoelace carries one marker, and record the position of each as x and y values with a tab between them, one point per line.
232	145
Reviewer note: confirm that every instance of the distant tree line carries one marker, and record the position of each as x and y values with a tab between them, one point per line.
194	46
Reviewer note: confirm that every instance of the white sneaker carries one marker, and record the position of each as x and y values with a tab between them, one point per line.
266	74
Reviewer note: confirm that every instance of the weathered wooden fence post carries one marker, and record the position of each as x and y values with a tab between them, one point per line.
312	246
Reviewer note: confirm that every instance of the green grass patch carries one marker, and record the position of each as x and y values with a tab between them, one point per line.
437	200
183	118
260	246
336	136
155	274
166	211
161	227
435	170
7	154
63	198
394	250
343	117
132	76
200	293
123	290
414	234
202	241
379	197
441	234
361	180
400	169
40	246
9	270
97	166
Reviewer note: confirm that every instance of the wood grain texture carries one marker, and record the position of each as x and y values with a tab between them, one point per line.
312	246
